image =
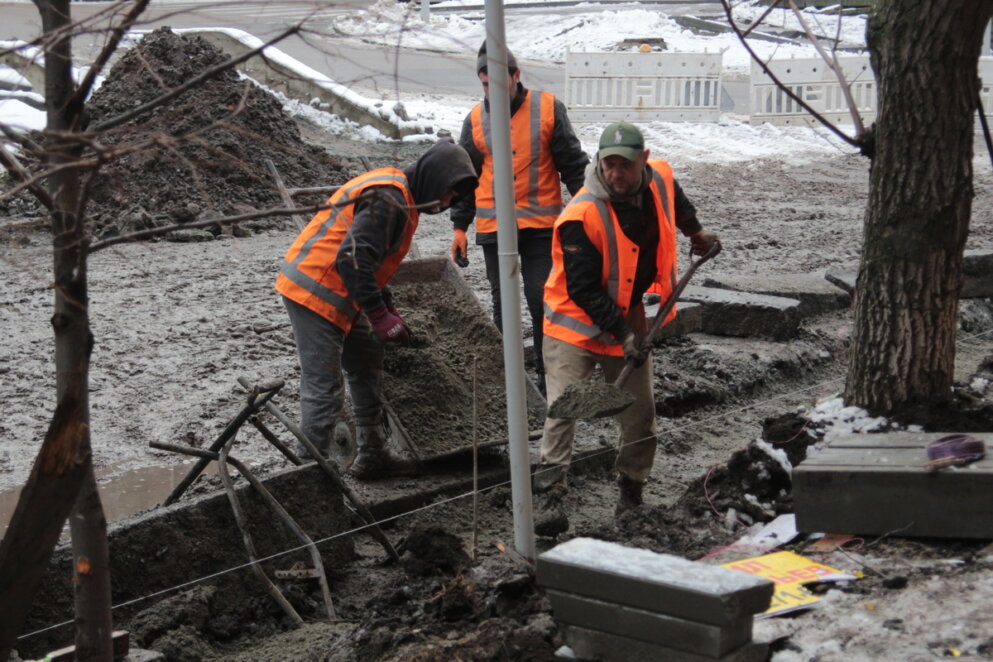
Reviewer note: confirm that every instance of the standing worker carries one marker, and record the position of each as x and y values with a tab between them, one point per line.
333	283
544	147
615	239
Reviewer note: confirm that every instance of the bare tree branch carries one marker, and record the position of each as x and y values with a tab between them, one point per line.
109	48
14	166
831	59
758	21
853	141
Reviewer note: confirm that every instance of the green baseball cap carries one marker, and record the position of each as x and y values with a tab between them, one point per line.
622	139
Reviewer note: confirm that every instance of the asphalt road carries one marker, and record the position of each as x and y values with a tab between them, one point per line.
364	68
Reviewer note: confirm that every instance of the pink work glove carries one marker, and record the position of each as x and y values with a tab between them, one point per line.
388	325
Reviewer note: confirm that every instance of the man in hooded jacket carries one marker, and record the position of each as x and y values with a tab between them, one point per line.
616	239
334	285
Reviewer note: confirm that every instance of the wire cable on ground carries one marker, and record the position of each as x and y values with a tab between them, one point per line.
359	529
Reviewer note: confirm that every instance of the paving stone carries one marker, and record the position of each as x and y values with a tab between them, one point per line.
878	483
589	644
815	294
668	631
728	313
843	277
689	319
655	582
977	274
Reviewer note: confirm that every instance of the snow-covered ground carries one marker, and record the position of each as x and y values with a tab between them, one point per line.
589	27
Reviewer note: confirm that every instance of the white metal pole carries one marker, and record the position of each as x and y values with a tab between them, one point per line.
510	297
426	11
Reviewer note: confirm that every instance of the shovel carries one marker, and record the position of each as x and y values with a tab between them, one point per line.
596	399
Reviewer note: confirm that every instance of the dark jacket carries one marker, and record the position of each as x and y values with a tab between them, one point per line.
584	266
380	223
567	153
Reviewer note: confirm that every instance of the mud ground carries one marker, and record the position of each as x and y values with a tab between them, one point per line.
177	322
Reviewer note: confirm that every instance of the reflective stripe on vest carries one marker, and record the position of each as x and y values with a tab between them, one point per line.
539	202
587	333
298	279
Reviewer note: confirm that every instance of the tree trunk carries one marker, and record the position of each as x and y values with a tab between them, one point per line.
925	55
73	339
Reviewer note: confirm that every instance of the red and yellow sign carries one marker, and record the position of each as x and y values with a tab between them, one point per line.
789	572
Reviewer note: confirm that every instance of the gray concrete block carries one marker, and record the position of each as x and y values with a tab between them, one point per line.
655	582
652	627
815	294
843	277
977	274
589	644
727	313
689	319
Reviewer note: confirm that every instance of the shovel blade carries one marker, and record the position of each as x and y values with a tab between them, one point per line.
590	399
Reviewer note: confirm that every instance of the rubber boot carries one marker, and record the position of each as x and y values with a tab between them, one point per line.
547	476
337	445
375	459
549	517
630	495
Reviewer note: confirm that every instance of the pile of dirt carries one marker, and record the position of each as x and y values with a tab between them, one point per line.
200	155
444	608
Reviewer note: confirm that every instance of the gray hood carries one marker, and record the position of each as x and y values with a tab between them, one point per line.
595	184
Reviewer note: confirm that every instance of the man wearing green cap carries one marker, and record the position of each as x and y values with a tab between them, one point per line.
546	154
615	240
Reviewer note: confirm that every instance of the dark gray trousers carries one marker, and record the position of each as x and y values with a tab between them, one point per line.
536	264
324	350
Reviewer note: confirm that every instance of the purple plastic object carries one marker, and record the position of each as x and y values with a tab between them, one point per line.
958	446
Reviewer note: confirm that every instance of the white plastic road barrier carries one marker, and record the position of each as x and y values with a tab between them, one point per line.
674	87
817	85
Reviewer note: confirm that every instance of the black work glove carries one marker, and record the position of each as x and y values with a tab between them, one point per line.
633	351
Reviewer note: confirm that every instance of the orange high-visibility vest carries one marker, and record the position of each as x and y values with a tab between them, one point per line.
309	275
566	320
537	190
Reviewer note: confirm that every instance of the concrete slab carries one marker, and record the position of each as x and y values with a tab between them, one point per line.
843	277
877	483
589	644
977	274
651	627
689	319
659	583
730	313
815	294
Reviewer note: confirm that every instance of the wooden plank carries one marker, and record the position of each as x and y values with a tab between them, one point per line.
952	503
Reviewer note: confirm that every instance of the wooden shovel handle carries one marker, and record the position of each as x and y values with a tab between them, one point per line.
666	307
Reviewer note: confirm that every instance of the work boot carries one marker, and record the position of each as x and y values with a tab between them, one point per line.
376	460
630	495
547	476
549	518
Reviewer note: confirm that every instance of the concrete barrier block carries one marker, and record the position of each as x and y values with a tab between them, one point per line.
589	644
655	582
815	294
675	633
728	313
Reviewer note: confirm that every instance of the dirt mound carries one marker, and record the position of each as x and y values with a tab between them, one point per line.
201	154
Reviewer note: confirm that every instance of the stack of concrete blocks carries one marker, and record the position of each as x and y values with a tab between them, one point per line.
618	604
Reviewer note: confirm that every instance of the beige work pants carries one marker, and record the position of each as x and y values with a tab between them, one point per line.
567	364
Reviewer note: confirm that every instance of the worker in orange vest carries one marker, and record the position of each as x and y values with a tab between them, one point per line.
334	285
615	239
546	153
